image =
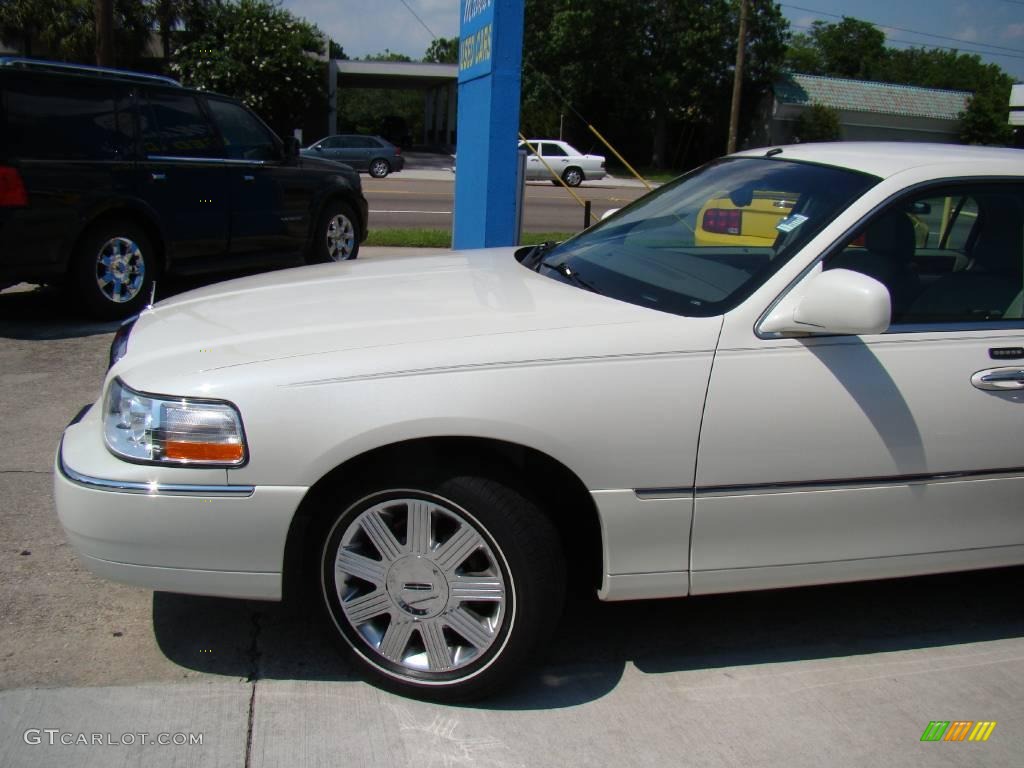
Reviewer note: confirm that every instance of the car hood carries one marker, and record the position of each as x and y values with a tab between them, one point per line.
386	315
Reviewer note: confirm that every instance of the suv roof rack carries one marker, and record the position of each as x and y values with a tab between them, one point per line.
124	74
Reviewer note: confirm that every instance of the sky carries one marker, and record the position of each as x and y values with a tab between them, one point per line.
992	28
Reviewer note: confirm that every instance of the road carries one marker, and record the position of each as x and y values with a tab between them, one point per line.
399	203
842	675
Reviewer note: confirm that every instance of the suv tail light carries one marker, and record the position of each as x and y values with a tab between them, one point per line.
398	150
724	221
12	188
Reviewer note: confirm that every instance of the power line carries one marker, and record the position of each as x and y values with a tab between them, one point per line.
945	47
421	21
911	31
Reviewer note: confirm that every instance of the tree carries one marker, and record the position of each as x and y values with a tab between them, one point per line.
443	50
833	49
852	48
817	123
673	58
259	53
66	29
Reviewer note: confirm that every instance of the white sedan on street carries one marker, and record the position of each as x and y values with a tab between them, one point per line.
435	446
562	160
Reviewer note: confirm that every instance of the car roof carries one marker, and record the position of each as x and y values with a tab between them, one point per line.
884	159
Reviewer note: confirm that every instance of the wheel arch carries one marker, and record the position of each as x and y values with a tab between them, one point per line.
134	213
551	485
319	204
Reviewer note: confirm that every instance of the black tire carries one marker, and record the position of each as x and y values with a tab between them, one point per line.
379	168
113	269
573	177
337	235
410	619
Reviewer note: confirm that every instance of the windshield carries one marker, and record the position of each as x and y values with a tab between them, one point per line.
701	244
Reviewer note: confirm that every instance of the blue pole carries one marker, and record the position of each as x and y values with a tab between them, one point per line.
490	66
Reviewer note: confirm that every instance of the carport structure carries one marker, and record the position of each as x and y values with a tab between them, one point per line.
437	81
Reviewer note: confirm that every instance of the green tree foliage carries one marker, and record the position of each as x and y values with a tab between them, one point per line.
443	50
65	30
850	48
817	123
259	53
671	62
857	50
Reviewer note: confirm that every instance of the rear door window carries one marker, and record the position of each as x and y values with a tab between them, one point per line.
65	118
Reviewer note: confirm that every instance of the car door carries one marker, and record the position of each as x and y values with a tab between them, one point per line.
556	157
353	151
534	167
836	457
182	175
269	201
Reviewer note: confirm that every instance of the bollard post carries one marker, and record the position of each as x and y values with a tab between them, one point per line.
586	214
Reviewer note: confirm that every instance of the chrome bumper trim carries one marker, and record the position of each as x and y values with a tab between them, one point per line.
152	489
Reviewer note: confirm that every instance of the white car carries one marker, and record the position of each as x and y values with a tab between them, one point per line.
426	443
561	159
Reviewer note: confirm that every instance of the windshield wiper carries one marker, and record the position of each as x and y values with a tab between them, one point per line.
531	259
566	271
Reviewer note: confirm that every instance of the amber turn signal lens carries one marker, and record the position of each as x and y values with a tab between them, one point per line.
184	451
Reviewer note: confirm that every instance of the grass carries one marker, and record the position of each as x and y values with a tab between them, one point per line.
442	238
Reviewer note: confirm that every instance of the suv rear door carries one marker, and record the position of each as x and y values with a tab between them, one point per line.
70	140
182	175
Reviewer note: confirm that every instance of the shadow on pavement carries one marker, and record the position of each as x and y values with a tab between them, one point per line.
589	651
38	313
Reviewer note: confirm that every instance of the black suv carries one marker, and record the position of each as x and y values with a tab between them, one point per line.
108	178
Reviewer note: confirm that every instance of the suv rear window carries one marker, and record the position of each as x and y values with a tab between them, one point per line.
51	118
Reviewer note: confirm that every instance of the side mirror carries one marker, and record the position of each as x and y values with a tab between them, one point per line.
838	301
609	212
291	149
319	148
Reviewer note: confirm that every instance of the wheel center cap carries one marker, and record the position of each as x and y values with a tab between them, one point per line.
417	586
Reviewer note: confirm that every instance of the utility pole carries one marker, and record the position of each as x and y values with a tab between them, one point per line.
737	83
104	32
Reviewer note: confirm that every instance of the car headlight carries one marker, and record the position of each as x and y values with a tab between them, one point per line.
172	430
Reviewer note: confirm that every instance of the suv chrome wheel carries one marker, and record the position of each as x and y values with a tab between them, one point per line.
120	269
341	237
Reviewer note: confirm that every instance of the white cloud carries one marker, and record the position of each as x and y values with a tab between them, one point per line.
970	32
1013	31
363	28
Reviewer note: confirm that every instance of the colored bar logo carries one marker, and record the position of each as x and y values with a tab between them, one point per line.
958	730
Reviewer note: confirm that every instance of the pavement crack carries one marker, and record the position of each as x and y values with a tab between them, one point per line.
26	472
248	735
254	648
254	672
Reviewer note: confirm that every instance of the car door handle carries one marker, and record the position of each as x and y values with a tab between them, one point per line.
999	378
248	178
158	176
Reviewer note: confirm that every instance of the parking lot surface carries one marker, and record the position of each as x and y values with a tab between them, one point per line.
846	675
